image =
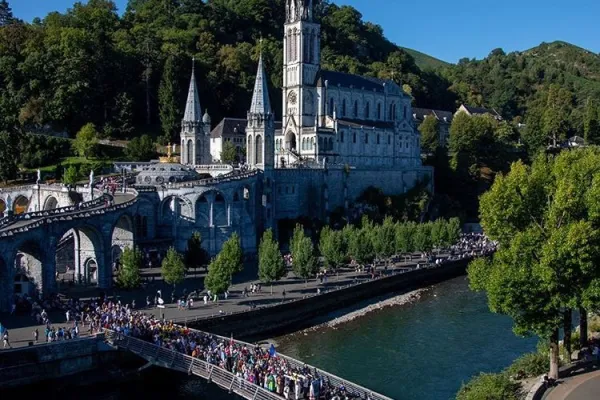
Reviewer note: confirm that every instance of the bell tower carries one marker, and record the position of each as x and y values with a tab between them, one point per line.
301	63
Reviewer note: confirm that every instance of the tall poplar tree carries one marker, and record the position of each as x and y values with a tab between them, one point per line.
168	95
271	267
591	122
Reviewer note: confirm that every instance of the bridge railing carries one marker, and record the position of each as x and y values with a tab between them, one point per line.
219	179
181	362
56	211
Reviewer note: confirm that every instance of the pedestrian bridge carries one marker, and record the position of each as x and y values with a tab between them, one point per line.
174	360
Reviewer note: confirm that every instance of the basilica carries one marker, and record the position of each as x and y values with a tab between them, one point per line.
339	134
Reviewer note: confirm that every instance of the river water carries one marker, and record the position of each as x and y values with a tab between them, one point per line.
423	350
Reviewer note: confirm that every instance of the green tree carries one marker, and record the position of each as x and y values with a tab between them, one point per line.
141	149
6	15
304	262
360	245
556	115
430	136
332	247
271	267
452	232
123	116
168	94
9	156
173	268
229	153
195	255
231	254
71	175
218	278
545	220
405	237
422	238
591	122
383	238
129	276
86	141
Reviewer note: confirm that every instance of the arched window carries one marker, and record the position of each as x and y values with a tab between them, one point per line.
405	109
342	136
366	138
355	108
250	151
344	108
354	137
330	144
378	110
378	138
312	143
259	150
367	110
389	139
190	152
391	116
330	111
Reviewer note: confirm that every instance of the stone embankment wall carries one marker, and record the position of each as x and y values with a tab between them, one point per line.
41	362
258	323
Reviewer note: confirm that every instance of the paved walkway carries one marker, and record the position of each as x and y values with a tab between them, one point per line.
21	327
580	387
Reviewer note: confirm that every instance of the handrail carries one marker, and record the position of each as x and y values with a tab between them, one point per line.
182	362
81	214
219	179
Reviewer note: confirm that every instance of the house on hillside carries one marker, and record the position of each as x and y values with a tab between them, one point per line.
479	111
444	120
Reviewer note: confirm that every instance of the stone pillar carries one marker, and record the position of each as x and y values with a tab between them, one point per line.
49	285
78	263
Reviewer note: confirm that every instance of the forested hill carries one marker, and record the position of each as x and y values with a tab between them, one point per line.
91	65
519	82
128	73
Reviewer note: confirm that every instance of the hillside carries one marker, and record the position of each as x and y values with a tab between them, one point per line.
425	61
516	82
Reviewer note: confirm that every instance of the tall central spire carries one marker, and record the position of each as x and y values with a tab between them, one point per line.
260	98
193	111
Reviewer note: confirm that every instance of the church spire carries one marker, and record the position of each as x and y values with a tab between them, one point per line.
193	111
260	98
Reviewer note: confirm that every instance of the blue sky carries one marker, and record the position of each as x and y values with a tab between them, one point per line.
445	29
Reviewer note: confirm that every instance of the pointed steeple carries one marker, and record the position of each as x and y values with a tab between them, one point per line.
193	112
260	98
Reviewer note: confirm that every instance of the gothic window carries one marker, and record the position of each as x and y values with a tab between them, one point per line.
366	138
250	148
405	109
391	116
368	110
355	108
389	139
378	138
354	137
344	108
394	113
330	144
312	144
190	152
342	136
378	110
330	111
259	150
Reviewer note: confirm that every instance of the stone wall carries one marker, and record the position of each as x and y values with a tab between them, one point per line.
49	361
294	315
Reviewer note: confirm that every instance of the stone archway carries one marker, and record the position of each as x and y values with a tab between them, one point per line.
30	267
176	209
203	211
20	205
50	203
91	271
123	233
290	141
220	214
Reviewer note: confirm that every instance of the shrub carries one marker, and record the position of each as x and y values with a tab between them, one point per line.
490	387
529	365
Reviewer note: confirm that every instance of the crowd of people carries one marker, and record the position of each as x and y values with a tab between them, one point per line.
250	364
472	244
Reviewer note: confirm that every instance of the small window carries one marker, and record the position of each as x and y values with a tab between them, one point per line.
378	110
368	110
378	138
355	108
344	108
354	137
389	139
342	136
366	138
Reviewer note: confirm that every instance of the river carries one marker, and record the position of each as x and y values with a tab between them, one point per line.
423	350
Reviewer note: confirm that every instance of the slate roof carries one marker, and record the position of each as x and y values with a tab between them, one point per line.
342	79
260	97
481	110
193	111
233	126
420	113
